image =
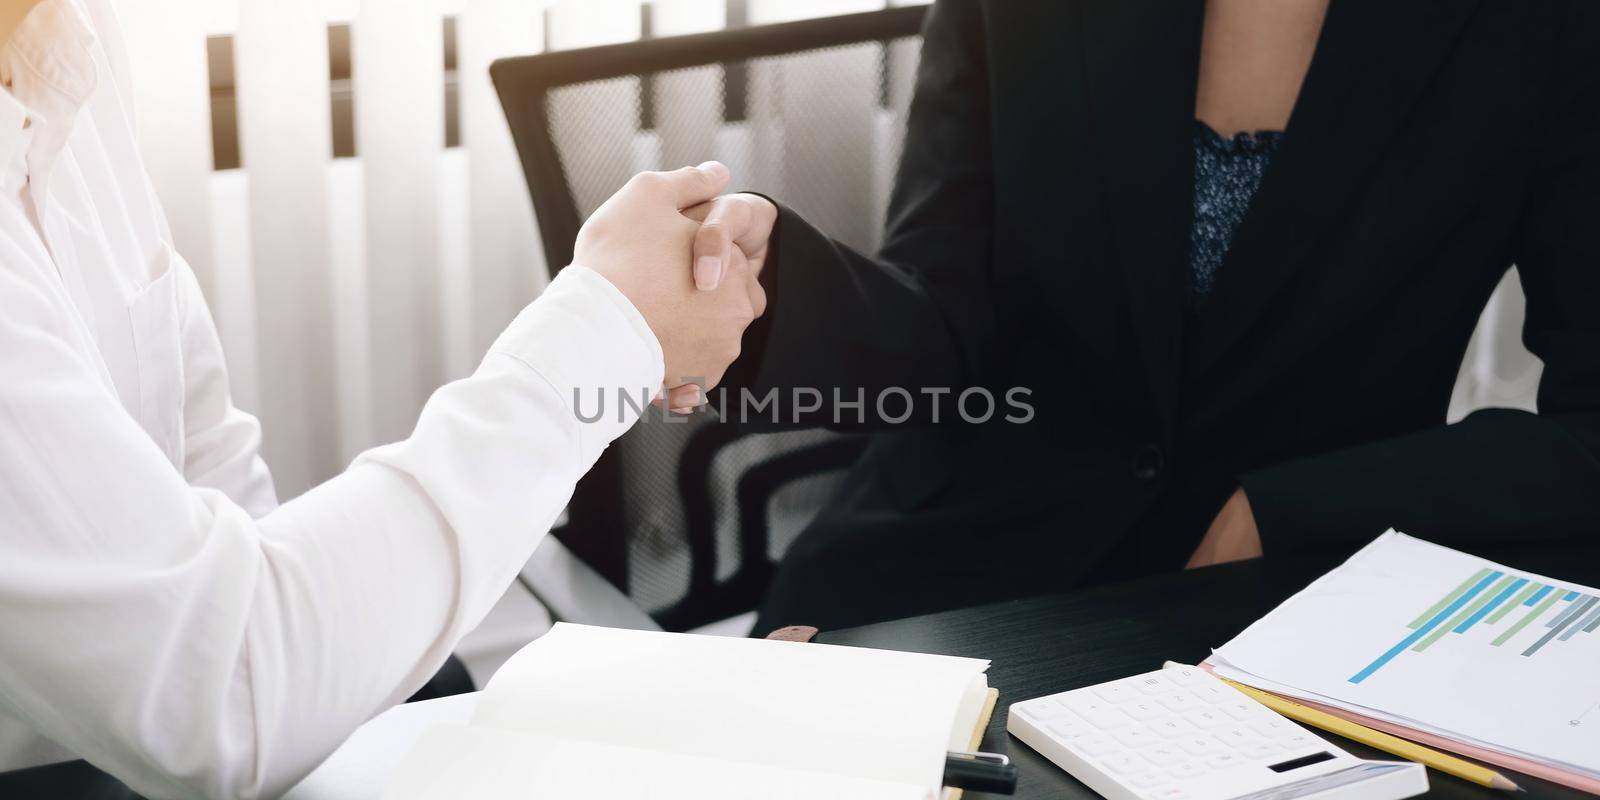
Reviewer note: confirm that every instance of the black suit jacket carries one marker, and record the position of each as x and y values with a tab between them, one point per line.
1038	236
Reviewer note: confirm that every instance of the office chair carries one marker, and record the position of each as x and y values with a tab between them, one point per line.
679	524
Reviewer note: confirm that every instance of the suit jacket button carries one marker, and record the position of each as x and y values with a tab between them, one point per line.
1148	463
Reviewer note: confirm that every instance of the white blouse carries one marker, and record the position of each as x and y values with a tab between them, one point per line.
160	614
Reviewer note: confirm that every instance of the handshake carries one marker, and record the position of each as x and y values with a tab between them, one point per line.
689	258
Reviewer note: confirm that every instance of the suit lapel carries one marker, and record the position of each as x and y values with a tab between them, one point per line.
1141	63
1374	58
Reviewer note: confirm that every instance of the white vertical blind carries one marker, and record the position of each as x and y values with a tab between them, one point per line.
352	335
507	261
398	74
232	300
281	55
592	22
219	16
613	148
231	294
678	17
688	103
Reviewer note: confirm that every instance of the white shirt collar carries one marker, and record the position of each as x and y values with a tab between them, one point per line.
50	61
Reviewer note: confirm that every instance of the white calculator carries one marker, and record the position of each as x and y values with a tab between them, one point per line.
1180	734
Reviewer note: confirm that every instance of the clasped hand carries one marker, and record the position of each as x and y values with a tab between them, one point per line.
690	261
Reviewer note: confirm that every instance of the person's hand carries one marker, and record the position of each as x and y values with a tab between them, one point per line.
1231	537
731	241
642	244
734	228
741	222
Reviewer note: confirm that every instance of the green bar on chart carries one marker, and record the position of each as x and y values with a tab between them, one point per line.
1448	599
1515	601
1473	608
1549	601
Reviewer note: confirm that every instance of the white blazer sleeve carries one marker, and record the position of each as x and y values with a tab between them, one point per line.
157	629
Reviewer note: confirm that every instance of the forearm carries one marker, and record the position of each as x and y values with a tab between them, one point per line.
405	553
840	321
226	656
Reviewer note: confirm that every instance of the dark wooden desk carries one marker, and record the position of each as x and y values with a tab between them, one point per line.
1051	644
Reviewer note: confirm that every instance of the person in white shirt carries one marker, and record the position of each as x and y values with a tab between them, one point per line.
160	615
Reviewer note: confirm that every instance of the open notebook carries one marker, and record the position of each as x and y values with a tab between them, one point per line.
589	712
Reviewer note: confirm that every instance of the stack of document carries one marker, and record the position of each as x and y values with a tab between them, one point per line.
1445	648
595	713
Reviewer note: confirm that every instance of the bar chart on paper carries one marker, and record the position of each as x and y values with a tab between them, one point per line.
1444	643
1504	602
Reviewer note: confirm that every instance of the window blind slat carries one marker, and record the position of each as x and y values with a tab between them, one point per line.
507	262
282	84
397	60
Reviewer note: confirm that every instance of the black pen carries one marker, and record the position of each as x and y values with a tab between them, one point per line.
980	772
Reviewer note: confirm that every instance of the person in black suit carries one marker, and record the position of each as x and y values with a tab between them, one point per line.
1231	344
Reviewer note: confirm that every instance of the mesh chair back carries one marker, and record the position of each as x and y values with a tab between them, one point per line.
687	517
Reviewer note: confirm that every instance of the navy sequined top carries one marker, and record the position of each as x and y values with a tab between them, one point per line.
1227	172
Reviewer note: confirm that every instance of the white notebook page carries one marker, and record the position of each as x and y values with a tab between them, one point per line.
651	700
472	762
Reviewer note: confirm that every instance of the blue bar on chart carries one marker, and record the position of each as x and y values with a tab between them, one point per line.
1509	590
1427	627
1571	596
1537	596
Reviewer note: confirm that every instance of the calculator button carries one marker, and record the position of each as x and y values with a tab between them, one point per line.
1098	713
1162	755
1173	726
1179	701
1069	728
1241	709
1207	718
1125	762
1153	684
1095	745
1116	692
1273	728
1214	692
1183	676
1236	736
1299	741
1224	761
1199	745
1147	780
1143	710
1135	737
1045	709
1259	750
1186	770
1169	793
